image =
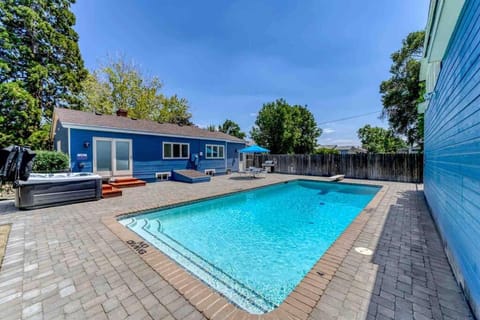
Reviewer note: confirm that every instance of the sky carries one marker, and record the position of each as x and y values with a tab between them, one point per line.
227	58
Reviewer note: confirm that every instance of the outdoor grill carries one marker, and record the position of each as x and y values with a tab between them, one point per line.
269	165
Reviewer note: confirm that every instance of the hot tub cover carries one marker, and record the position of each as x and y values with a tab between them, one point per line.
15	164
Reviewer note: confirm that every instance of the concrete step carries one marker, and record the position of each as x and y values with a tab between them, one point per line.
128	184
109	191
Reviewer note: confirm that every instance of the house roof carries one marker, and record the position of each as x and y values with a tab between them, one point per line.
343	148
90	120
351	148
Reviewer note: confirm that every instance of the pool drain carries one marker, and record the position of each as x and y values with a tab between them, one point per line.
364	251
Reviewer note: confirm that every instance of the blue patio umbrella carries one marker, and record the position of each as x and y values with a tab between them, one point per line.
253	149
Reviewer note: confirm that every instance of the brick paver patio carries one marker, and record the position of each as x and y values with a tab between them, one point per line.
63	262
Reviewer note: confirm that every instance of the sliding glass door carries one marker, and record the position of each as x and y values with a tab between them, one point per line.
112	157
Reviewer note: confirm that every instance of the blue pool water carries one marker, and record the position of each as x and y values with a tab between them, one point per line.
255	247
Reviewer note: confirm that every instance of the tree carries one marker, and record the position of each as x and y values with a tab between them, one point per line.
174	110
283	128
231	128
40	139
306	130
401	92
324	150
39	52
96	95
379	140
122	85
211	128
19	114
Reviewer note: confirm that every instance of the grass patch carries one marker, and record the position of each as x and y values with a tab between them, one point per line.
4	232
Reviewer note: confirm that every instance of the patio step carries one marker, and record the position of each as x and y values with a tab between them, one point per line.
190	176
127	182
109	191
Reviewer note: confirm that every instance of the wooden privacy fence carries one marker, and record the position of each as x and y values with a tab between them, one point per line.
391	167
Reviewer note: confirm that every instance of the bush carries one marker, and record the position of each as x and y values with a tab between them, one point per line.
326	151
50	161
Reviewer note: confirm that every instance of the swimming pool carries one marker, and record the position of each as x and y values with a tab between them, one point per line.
254	247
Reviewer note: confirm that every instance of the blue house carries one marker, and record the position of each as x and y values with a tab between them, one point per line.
451	69
115	145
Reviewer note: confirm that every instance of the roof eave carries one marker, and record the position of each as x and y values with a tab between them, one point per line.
442	18
122	130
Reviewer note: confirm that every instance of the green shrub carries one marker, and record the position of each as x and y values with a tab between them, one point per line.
326	151
50	161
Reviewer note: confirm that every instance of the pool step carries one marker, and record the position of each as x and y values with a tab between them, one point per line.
126	182
208	272
109	191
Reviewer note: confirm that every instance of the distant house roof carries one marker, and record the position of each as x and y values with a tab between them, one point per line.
350	148
353	149
327	146
89	120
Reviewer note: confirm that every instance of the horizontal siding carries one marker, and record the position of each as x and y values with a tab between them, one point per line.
61	135
452	152
147	153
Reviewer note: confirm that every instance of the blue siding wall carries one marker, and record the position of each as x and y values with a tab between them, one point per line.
452	152
61	134
147	153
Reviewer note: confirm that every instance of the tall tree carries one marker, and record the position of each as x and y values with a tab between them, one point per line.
122	85
306	130
174	110
379	140
232	128
273	127
19	114
283	128
211	128
39	52
401	92
96	95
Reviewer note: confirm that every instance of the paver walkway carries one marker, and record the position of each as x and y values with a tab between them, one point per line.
63	262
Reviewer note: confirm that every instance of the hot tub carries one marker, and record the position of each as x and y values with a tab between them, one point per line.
43	190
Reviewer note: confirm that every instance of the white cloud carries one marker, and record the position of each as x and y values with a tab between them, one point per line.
328	124
253	114
328	131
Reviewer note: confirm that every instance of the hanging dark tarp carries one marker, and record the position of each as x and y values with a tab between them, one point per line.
15	164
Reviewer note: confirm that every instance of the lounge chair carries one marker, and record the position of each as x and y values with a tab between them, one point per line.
257	172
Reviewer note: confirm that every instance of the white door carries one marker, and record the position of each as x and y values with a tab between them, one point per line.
112	157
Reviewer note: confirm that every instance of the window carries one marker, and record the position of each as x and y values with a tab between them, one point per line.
176	150
210	172
163	175
214	151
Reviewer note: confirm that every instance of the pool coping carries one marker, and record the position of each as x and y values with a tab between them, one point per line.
298	304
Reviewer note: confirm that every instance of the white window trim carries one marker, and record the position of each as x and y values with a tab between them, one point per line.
172	157
158	175
210	172
215	145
